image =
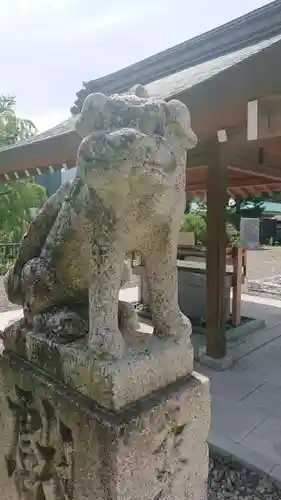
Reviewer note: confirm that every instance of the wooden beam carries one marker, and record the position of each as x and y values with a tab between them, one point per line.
257	169
241	184
199	156
40	154
216	252
250	181
252	156
21	174
255	160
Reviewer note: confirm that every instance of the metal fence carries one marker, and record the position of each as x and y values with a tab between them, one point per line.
8	251
8	254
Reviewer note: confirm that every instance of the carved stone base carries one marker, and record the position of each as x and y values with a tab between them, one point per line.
59	444
149	364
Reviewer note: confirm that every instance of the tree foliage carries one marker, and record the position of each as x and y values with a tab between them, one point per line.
12	128
19	199
195	223
250	206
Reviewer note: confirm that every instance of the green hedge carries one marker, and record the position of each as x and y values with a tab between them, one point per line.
196	223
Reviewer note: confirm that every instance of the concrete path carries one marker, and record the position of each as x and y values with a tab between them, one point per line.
246	399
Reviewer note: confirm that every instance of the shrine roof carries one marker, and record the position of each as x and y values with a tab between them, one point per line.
249	29
167	87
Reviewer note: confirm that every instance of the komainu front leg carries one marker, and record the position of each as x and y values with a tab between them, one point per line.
105	276
161	272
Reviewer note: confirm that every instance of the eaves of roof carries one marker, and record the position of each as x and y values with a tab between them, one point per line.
169	86
250	29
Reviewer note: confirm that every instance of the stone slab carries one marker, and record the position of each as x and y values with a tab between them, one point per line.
266	398
260	364
233	336
250	458
149	364
231	386
220	364
153	449
275	474
233	420
266	439
245	329
255	341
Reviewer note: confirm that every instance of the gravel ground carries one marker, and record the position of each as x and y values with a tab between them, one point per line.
229	480
264	263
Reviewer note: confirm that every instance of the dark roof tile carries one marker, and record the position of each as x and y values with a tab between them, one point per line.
171	85
260	24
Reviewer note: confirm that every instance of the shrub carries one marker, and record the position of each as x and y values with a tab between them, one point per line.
195	223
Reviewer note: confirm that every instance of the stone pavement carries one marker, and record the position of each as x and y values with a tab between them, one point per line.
246	399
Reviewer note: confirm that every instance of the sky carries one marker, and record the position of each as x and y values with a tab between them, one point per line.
49	47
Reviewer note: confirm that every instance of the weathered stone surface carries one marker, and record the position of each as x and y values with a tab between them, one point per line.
250	232
59	445
148	364
129	194
91	404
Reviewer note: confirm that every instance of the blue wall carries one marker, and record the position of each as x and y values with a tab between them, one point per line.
53	180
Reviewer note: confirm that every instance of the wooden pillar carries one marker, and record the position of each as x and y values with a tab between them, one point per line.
238	278
216	251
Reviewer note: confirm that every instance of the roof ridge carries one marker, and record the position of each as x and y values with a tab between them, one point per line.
267	23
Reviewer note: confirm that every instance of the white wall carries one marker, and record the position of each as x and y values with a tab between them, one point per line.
68	175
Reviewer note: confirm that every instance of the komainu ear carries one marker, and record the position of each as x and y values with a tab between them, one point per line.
180	123
92	110
139	91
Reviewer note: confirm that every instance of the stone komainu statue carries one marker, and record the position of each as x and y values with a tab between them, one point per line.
128	195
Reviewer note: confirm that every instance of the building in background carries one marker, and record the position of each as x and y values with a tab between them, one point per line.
53	180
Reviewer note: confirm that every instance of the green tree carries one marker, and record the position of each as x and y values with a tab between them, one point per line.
250	206
12	128
19	200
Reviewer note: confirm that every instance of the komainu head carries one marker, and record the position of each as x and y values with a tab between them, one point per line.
132	145
136	110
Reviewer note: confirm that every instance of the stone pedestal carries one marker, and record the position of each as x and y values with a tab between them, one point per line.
76	428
